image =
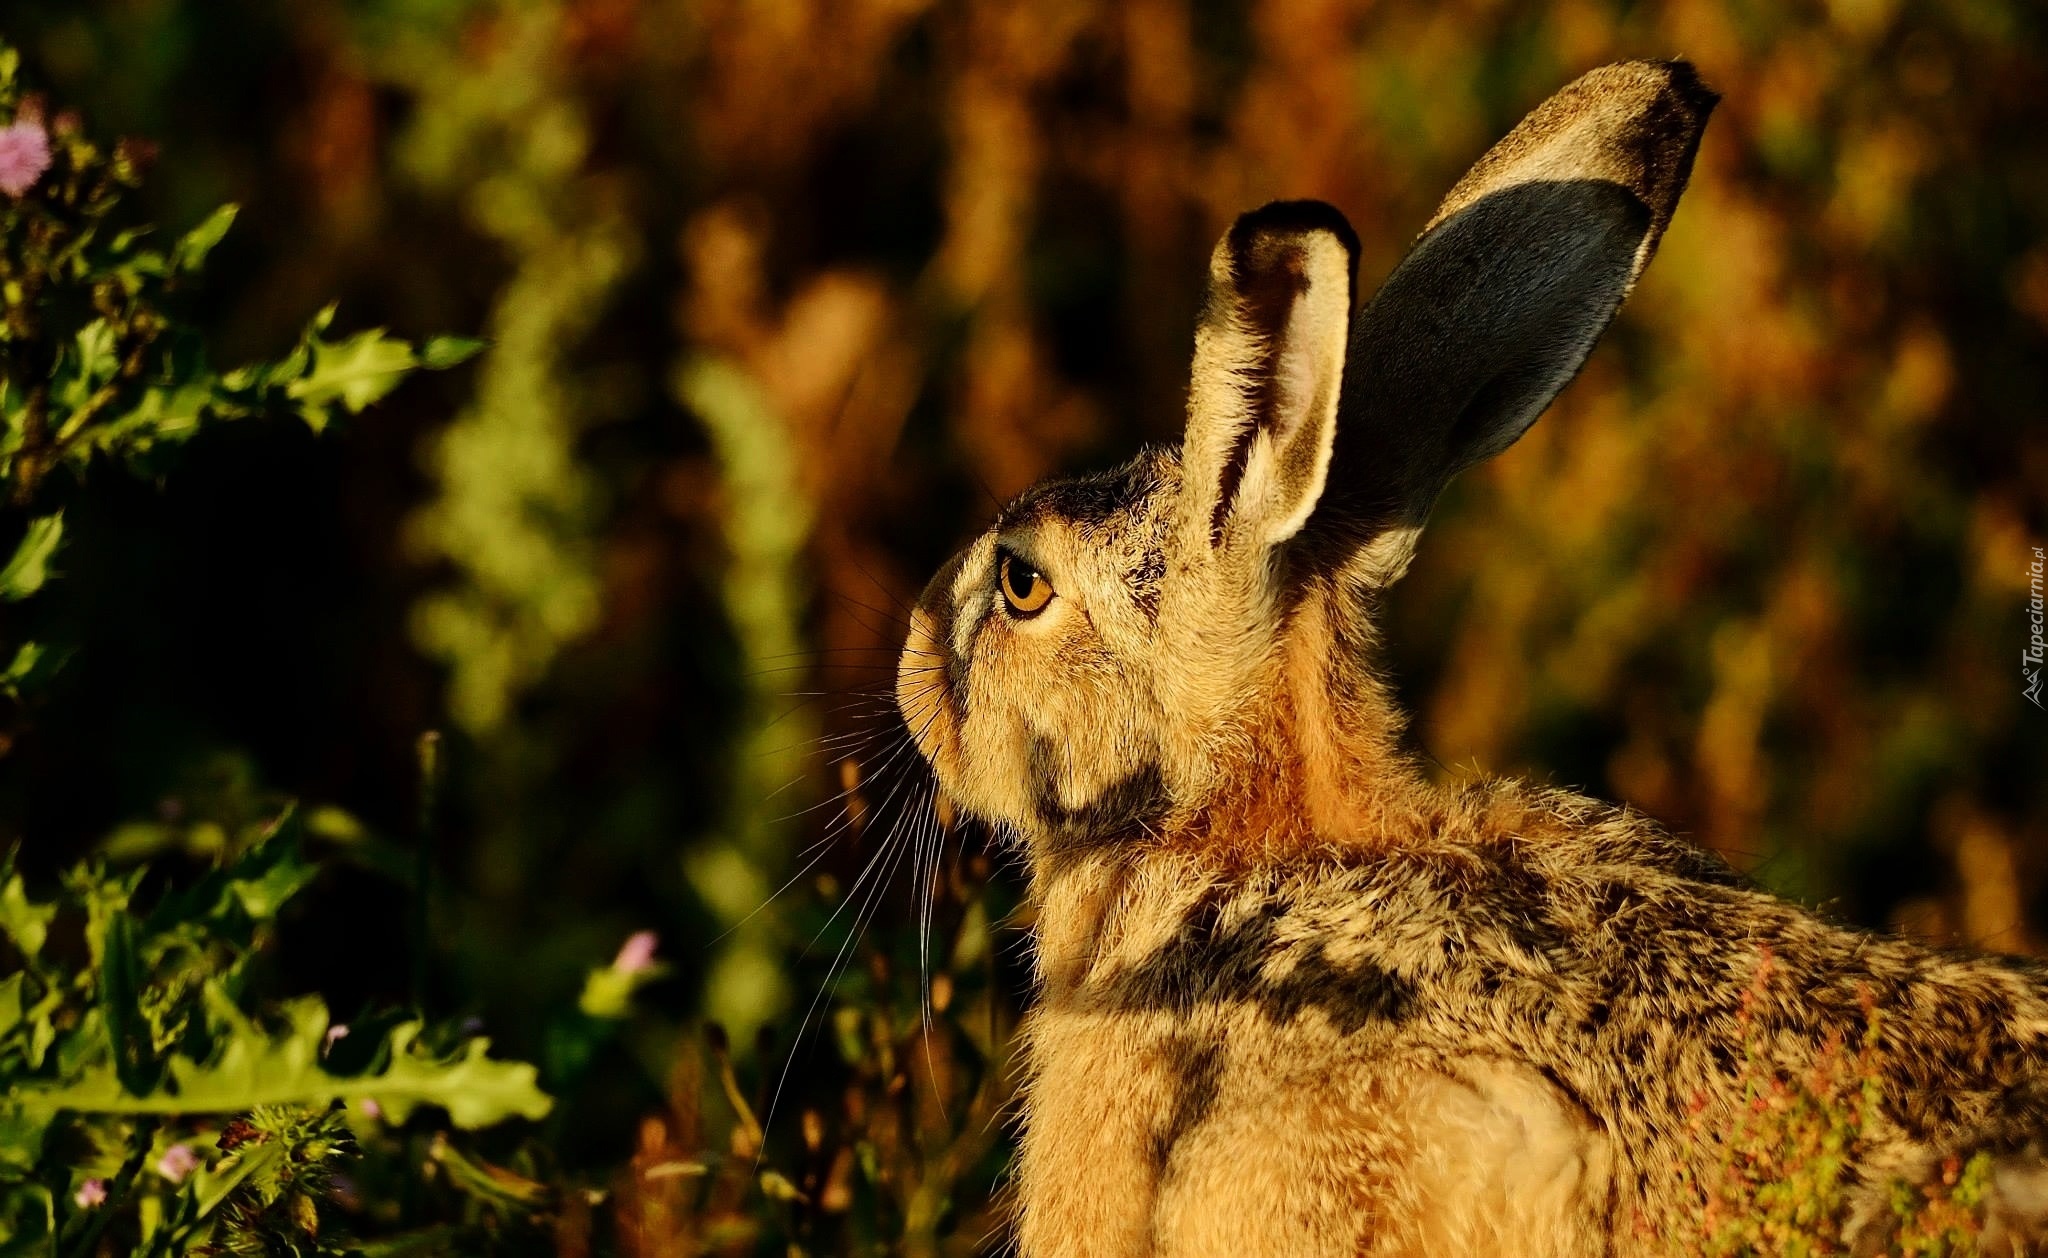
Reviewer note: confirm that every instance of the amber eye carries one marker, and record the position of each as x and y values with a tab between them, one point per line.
1025	588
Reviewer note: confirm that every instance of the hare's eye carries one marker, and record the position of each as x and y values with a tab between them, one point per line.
1025	588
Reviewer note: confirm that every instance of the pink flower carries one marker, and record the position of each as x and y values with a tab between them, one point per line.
24	156
637	954
177	1162
371	1109
91	1193
334	1033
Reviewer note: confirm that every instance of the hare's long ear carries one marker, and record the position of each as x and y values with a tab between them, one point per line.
1268	371
1502	297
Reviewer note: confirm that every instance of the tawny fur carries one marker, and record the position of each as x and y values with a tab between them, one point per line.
1295	998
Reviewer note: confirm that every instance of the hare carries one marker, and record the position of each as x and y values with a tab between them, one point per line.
1295	999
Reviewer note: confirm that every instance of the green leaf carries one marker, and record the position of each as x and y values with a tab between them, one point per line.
354	372
494	1184
189	254
21	1140
120	1001
443	352
437	1240
253	1069
28	1219
10	1002
162	415
29	569
263	895
475	1090
105	898
210	1187
608	991
255	886
25	670
42	1032
25	922
91	361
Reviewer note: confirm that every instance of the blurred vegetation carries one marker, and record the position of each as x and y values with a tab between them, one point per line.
776	299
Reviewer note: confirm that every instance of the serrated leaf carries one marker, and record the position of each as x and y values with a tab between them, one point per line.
475	1090
252	1068
29	569
189	254
355	372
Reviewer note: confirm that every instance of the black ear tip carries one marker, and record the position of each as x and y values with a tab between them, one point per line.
1685	83
1292	218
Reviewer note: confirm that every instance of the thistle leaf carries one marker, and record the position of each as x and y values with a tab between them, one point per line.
254	1069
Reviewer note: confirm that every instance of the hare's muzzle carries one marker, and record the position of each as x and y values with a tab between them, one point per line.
923	693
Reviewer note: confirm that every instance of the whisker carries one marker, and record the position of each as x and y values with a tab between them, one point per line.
887	593
934	828
871	705
888	617
810	666
838	826
812	654
889	853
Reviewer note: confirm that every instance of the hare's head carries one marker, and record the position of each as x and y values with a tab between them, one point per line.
1180	642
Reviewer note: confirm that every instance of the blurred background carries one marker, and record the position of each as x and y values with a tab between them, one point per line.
782	296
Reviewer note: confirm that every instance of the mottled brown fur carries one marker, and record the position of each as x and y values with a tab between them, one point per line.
1295	998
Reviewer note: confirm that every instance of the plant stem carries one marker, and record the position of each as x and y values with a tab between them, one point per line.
432	770
117	1192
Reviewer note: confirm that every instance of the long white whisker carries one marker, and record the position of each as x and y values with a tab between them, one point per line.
889	853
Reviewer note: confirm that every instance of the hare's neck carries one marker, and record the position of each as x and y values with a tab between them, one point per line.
1319	765
1111	905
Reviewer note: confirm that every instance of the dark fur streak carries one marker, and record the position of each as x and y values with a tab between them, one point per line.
1208	964
1125	804
1091	499
1198	1068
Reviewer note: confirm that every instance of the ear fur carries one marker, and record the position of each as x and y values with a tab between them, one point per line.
1268	373
1503	296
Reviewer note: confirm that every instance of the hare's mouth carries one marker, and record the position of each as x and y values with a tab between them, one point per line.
924	696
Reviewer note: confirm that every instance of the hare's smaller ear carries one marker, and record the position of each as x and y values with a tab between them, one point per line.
1268	371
